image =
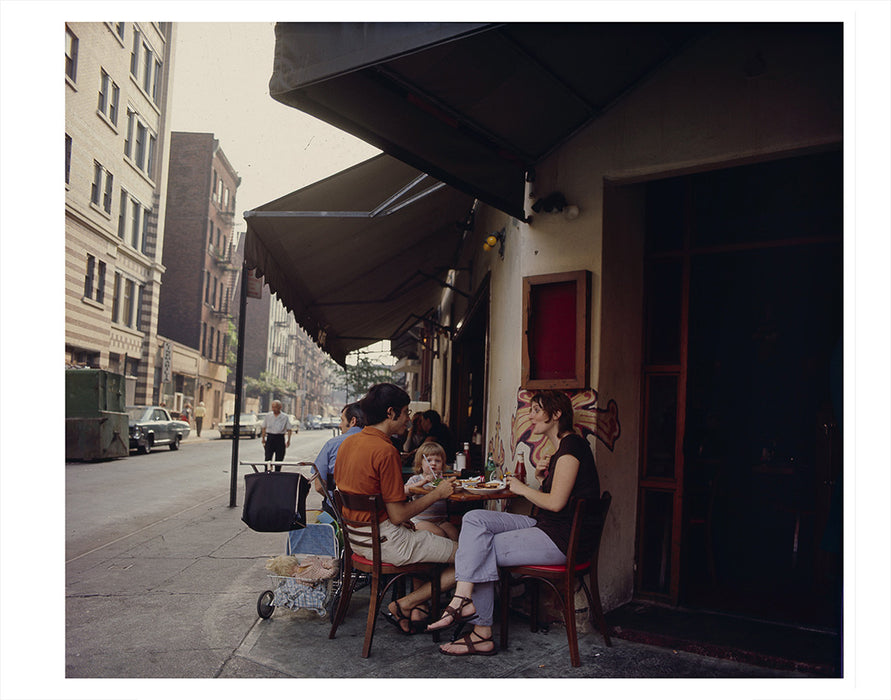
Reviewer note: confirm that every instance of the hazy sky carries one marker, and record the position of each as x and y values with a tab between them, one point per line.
221	85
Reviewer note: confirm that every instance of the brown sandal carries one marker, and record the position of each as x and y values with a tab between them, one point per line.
467	642
455	614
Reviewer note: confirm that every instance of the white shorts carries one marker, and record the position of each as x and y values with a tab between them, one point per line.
402	545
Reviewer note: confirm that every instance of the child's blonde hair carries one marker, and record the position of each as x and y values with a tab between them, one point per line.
429	449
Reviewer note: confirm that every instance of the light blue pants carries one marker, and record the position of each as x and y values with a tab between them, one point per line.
490	539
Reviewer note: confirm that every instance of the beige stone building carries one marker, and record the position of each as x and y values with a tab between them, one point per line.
117	101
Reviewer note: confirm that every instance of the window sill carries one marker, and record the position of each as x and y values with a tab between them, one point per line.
92	302
108	122
136	168
99	210
138	85
114	33
72	84
126	329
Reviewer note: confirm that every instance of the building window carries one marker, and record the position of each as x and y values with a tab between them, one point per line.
116	299
122	215
210	232
109	189
88	279
203	338
150	161
70	54
119	29
206	287
67	159
100	283
109	95
218	346
146	216
103	184
147	66
134	54
134	223
140	294
156	85
127	303
140	143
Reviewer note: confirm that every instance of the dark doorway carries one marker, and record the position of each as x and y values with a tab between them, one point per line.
468	373
753	486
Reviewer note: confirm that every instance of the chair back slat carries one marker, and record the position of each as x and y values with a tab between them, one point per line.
360	532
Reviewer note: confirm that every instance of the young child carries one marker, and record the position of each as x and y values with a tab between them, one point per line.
435	518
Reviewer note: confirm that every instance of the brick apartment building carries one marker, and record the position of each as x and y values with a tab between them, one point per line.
117	98
200	268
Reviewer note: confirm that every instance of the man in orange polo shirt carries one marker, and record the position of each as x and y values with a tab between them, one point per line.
369	463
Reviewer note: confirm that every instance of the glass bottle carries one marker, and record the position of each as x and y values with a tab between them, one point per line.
490	468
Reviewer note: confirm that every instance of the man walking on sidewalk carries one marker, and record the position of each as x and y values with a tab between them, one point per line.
275	428
199	417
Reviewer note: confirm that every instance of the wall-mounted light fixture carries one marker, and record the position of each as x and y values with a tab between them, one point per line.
492	240
556	203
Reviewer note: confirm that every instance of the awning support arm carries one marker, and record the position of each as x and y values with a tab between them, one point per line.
444	284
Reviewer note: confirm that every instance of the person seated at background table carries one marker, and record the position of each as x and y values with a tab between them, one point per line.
352	420
369	463
416	434
436	518
437	431
490	539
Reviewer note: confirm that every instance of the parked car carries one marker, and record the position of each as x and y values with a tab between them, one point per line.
248	424
295	423
330	422
314	423
151	426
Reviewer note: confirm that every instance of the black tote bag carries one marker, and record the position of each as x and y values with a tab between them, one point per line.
275	501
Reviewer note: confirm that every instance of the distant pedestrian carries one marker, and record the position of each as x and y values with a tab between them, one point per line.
276	434
186	413
200	412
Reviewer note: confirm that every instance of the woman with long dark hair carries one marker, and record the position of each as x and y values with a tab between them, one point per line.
490	539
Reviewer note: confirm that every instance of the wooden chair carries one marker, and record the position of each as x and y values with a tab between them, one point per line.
562	578
358	531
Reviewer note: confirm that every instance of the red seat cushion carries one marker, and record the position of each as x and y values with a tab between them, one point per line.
359	559
556	568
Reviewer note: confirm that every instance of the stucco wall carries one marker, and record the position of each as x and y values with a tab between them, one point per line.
741	94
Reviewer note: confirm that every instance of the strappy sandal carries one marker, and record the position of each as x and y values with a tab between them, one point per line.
469	644
396	620
455	614
419	625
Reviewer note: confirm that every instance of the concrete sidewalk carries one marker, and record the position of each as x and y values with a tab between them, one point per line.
178	600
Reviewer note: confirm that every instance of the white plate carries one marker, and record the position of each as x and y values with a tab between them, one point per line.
499	486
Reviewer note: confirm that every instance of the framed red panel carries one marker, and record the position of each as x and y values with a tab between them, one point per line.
556	330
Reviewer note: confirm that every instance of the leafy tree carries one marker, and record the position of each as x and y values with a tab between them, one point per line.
267	384
355	379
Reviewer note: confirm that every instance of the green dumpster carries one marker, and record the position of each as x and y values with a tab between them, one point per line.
96	425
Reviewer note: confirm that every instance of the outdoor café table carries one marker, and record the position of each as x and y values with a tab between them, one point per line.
462	501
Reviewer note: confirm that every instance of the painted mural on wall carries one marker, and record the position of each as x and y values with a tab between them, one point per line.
496	444
602	423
